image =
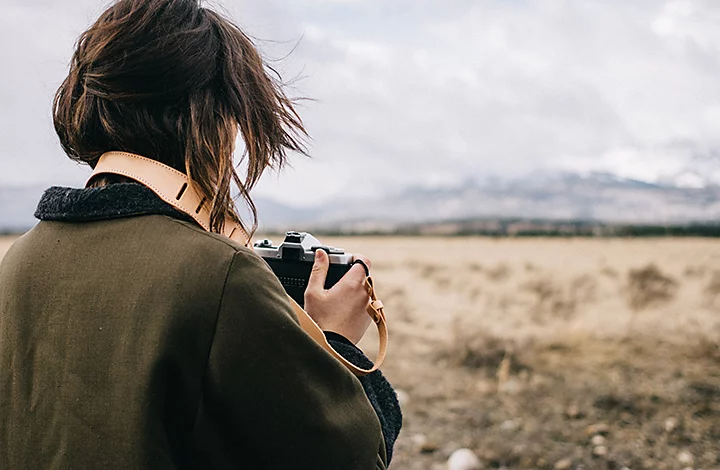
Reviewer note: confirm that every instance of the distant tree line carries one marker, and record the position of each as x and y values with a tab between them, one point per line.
527	228
667	231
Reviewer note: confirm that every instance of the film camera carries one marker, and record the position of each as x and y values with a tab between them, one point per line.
292	262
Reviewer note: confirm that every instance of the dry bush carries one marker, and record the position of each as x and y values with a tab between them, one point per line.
474	293
609	272
694	270
498	273
584	288
476	349
435	273
475	267
704	348
648	286
427	270
396	293
552	300
712	290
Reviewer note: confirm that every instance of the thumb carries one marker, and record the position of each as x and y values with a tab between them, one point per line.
319	272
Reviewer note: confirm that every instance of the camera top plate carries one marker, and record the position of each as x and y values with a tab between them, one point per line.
300	246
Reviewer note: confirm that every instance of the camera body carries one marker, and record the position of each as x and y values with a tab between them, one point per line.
293	259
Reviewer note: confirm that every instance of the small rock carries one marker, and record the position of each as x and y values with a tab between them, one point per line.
599	428
670	424
598	440
688	468
464	459
403	397
600	451
563	464
509	426
573	412
686	458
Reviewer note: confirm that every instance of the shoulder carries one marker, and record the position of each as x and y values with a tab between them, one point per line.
244	265
199	235
172	248
192	241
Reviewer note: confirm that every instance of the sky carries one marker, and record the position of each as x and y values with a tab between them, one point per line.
429	93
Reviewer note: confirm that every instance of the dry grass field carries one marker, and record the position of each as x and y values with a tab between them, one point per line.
552	353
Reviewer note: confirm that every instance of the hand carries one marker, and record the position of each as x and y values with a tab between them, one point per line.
342	308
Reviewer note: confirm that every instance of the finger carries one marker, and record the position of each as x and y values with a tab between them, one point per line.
357	271
364	258
355	275
362	263
316	282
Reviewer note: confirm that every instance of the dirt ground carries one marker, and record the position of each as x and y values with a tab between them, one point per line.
552	353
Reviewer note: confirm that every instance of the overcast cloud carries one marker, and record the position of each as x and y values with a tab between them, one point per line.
420	92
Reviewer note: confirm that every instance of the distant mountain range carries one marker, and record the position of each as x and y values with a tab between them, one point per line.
595	197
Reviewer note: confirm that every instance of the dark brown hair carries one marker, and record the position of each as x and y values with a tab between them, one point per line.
174	81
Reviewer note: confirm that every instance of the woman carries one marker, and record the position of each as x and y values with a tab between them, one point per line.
132	338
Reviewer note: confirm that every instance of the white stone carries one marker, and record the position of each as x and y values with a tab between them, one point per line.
563	464
670	424
418	440
509	426
598	440
600	451
464	459
686	458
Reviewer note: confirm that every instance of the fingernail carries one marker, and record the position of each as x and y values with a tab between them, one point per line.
319	255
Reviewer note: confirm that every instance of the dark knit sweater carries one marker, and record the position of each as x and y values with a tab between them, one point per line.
130	199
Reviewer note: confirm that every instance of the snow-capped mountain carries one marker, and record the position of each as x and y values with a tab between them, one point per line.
595	197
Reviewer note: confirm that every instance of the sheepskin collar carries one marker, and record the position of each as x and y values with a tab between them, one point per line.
106	202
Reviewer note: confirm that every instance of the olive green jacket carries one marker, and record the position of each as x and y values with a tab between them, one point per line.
146	343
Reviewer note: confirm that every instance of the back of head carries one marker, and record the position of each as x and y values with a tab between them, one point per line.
174	81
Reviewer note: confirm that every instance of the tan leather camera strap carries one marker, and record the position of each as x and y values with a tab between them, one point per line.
169	184
174	188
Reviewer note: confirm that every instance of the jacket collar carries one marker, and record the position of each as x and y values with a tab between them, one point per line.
106	202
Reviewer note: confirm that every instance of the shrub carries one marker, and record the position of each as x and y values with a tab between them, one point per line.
648	286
